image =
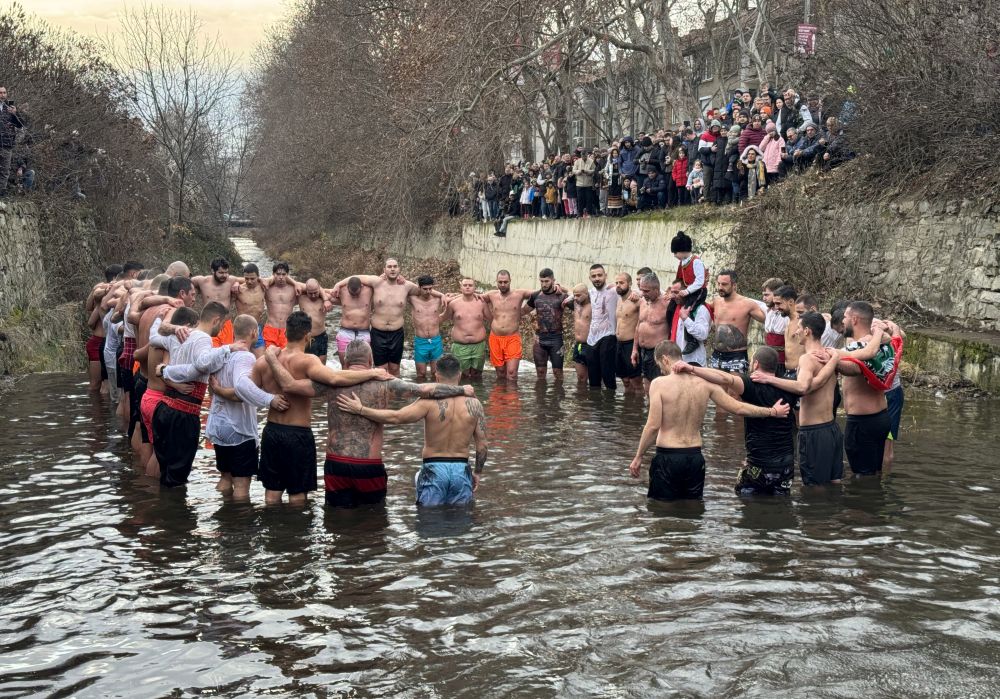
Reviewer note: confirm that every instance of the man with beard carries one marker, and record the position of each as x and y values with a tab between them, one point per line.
651	329
315	303
249	297
505	330
626	320
774	322
427	344
580	303
784	302
548	305
601	338
733	309
218	287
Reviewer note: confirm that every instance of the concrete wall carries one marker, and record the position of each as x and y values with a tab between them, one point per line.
22	276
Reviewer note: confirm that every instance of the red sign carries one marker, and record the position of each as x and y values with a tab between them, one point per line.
805	39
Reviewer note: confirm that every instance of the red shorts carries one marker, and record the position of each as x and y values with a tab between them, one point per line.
225	336
95	348
274	336
150	399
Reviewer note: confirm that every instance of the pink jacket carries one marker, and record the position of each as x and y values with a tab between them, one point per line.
770	148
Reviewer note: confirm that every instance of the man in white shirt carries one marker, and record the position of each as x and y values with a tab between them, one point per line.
695	324
602	339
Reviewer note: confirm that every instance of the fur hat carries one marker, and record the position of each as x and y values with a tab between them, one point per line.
681	243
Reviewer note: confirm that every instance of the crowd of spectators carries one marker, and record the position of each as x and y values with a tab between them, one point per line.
734	154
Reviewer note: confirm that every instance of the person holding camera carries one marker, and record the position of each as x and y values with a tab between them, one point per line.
9	124
652	193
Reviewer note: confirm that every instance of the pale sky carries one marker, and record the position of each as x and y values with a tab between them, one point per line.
240	24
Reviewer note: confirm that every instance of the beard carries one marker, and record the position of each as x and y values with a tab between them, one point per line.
598	285
725	294
783	312
622	292
848	330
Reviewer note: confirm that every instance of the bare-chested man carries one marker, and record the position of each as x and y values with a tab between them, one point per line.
219	287
784	301
580	302
280	297
469	314
249	297
652	328
315	303
354	473
287	446
731	308
427	344
505	330
449	425
626	320
677	405
355	300
548	305
389	301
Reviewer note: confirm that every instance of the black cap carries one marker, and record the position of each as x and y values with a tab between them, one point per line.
681	243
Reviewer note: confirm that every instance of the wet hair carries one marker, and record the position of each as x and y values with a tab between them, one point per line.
354	284
185	316
773	284
643	271
132	266
219	263
731	273
283	266
177	285
668	349
837	312
357	352
786	292
546	274
807	300
813	322
651	279
426	280
729	338
448	366
297	326
112	271
596	266
863	309
251	268
767	359
244	326
213	310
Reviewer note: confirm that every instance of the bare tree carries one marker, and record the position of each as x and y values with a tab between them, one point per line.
175	78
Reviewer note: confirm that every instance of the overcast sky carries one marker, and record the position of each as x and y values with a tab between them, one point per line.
241	24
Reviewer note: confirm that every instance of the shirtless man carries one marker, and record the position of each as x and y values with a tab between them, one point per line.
315	304
652	328
427	344
580	302
389	294
677	405
449	425
280	296
249	297
354	473
505	330
218	287
355	315
548	305
470	315
287	446
731	308
626	320
784	301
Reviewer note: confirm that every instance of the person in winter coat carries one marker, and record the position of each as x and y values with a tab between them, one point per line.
719	185
754	134
732	159
652	192
690	144
613	176
586	200
814	108
696	182
680	174
838	150
491	192
753	176
707	150
770	149
630	153
808	147
787	157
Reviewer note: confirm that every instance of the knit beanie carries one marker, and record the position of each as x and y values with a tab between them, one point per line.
769	127
734	132
681	243
716	122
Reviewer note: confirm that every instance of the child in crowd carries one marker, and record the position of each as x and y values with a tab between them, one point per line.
680	174
695	182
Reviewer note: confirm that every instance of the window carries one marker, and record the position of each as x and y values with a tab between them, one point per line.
577	129
706	66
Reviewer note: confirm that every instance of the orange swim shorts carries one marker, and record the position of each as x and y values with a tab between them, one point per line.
274	336
225	336
503	348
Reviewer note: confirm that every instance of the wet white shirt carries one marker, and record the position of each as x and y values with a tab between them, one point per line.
696	327
604	305
231	423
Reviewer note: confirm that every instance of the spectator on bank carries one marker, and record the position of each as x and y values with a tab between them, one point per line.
814	109
696	182
754	134
707	149
788	152
646	148
721	191
838	149
753	176
690	145
732	157
680	176
630	157
652	192
808	147
613	176
583	168
698	126
491	193
10	123
770	149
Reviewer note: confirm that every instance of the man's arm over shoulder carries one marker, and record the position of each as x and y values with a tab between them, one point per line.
399	389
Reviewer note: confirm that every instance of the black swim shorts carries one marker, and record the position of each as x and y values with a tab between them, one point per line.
239	461
176	443
767	479
548	347
580	352
623	361
821	453
136	392
737	362
894	403
288	458
318	345
677	474
648	365
387	346
351	481
864	442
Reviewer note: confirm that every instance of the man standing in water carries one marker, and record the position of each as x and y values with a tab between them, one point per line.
548	305
218	287
505	330
652	328
468	333
730	308
355	315
427	344
449	425
677	405
784	301
626	320
603	343
354	473
250	301
314	303
581	330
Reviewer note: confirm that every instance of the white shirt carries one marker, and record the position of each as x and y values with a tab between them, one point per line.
231	423
699	273
604	305
696	327
774	322
192	360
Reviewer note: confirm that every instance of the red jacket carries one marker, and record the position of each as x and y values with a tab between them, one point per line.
680	172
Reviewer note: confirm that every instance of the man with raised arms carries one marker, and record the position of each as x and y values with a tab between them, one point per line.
249	298
652	328
580	302
449	425
731	308
287	445
505	330
677	405
626	320
314	302
469	314
548	305
355	300
218	287
354	473
427	344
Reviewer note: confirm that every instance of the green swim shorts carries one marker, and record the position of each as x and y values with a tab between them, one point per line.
471	356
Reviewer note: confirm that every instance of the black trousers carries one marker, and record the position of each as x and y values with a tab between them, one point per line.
601	363
586	200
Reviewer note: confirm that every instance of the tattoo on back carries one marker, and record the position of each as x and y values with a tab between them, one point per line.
442	409
475	409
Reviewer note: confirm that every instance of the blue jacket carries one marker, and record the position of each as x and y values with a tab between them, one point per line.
630	158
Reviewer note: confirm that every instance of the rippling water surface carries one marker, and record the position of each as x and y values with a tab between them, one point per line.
562	581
